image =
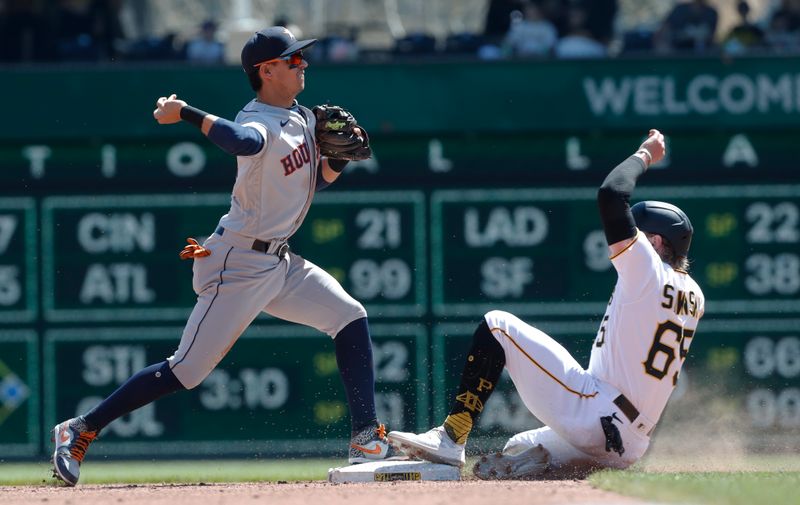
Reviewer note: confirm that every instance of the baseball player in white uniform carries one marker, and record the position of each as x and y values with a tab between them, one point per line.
603	416
245	267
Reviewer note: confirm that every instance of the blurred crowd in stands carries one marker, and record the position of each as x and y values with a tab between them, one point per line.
90	30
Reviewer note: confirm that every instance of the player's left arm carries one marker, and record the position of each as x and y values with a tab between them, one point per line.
229	136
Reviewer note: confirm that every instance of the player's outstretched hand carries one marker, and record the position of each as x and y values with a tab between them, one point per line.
168	110
654	146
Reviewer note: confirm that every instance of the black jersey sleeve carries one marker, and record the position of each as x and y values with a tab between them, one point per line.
613	200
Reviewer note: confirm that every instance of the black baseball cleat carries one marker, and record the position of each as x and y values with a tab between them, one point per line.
71	440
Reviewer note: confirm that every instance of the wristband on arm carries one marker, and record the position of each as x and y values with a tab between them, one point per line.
646	154
193	115
337	165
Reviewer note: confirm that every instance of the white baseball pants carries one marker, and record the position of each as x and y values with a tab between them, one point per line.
561	394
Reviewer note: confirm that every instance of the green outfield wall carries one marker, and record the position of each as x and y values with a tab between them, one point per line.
480	196
433	97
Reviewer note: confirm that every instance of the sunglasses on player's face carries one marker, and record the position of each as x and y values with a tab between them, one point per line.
294	60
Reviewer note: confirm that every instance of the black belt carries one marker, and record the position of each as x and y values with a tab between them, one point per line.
626	407
260	245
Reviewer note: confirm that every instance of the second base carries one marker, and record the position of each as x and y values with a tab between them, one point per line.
391	471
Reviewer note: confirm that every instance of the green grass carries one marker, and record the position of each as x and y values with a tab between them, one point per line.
138	472
712	488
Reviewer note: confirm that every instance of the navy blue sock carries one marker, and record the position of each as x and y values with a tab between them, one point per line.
354	357
145	386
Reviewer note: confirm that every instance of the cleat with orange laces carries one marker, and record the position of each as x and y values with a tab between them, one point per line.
71	440
371	444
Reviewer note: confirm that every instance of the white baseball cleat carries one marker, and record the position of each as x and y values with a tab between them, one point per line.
434	445
514	463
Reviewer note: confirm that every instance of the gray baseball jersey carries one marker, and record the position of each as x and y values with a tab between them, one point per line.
274	188
271	197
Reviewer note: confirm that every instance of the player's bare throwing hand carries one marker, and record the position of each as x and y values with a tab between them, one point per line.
602	416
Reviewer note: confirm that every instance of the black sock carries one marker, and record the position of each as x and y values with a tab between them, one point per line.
485	362
354	358
145	386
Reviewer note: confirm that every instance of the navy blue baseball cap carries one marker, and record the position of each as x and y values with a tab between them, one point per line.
269	44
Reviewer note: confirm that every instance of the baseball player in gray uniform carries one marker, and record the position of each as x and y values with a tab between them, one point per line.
603	416
245	267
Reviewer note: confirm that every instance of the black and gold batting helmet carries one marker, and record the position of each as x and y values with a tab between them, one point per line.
666	220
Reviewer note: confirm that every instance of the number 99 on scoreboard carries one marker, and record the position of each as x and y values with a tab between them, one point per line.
115	258
374	244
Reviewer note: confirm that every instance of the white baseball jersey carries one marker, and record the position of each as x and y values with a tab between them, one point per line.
270	199
647	328
639	349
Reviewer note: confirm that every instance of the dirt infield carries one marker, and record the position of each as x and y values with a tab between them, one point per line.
397	493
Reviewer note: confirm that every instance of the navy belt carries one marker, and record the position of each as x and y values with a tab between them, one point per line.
262	246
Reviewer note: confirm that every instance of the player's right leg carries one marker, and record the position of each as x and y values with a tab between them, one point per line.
446	443
73	436
231	285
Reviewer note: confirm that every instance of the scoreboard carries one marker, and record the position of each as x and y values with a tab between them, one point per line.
18	265
531	251
543	251
114	258
278	391
375	244
91	290
19	393
461	210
